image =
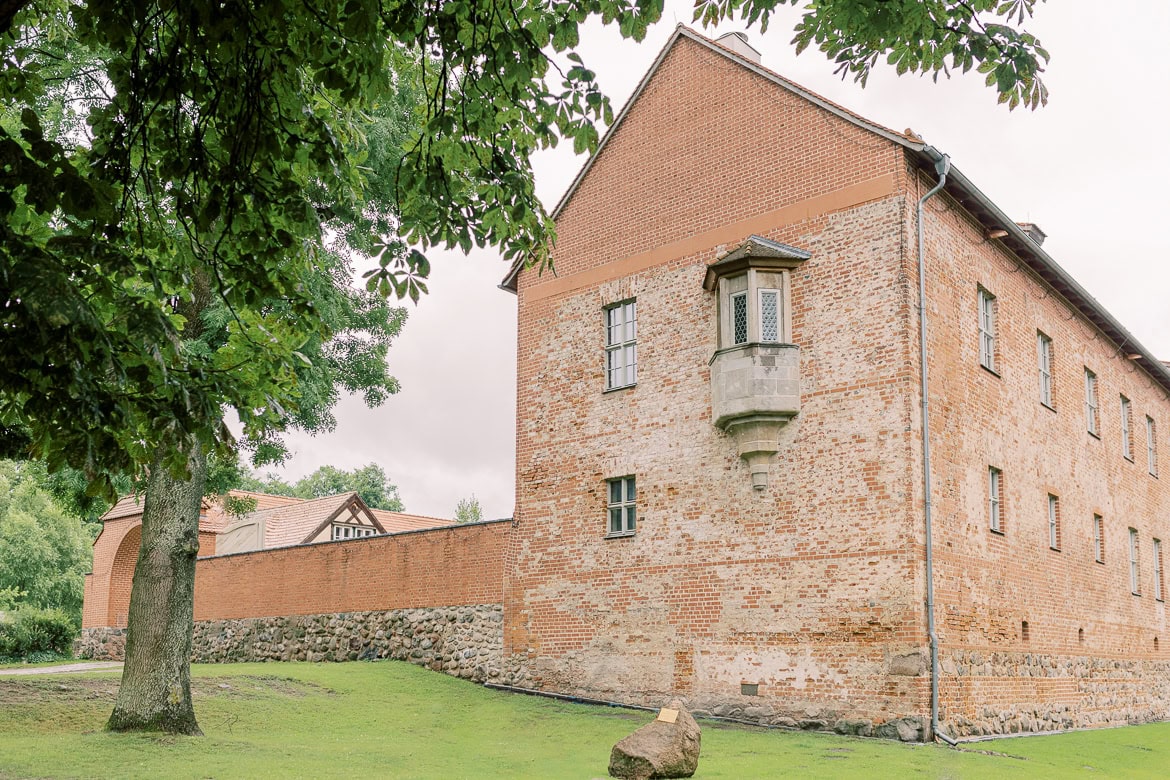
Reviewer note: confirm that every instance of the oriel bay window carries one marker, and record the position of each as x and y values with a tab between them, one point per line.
753	308
755	371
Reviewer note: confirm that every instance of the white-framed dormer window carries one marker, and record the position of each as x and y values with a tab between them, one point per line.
1092	414
1044	361
995	499
352	532
987	330
1126	428
621	506
1151	445
621	345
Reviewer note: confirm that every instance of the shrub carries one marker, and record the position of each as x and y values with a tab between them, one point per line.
29	630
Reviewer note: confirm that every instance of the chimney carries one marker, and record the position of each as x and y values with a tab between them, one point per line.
1034	232
738	43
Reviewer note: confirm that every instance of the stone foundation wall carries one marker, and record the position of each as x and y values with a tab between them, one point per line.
984	693
464	641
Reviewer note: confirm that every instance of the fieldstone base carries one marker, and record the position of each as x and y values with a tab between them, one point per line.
463	641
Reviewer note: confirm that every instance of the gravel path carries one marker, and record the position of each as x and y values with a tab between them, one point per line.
88	666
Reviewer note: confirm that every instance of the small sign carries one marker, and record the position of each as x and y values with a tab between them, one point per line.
667	716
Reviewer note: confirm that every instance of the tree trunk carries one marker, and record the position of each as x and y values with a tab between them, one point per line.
156	679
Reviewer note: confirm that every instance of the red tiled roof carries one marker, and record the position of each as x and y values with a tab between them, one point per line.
266	500
287	520
292	524
394	522
216	520
125	507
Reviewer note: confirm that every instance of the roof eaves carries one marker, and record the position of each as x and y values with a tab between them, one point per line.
1044	265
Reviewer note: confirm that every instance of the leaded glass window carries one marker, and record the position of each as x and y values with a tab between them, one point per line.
769	315
739	317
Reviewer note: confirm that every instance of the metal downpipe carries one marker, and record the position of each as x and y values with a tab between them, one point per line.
942	166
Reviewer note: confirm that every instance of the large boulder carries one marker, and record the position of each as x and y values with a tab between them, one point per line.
666	747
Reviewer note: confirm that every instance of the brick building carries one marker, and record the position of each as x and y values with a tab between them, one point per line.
721	451
722	461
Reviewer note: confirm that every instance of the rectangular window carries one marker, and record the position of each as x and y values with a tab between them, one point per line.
1151	445
769	315
1158	593
1092	419
1133	563
622	508
621	345
994	499
739	318
1098	538
1053	522
1126	428
1044	359
986	330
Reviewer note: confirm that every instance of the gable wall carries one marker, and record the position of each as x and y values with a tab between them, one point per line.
810	588
707	144
988	584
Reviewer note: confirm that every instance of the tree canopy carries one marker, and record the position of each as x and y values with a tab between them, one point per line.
44	550
369	481
239	121
468	510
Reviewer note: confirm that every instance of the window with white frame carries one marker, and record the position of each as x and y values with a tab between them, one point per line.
1151	445
353	531
1158	592
621	345
995	499
1092	414
1053	522
622	506
1044	361
1098	539
987	323
1134	581
1126	428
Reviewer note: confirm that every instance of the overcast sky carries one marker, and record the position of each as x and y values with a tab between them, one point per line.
1092	169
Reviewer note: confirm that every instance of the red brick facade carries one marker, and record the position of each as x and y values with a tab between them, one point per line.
813	589
449	566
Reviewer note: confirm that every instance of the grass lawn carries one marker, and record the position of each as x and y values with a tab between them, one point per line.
394	720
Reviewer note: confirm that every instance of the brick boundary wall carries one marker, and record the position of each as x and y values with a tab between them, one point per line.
432	597
437	567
